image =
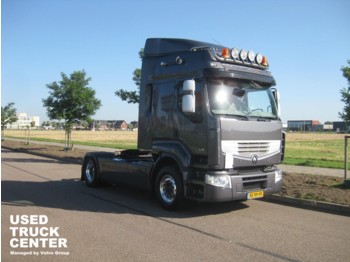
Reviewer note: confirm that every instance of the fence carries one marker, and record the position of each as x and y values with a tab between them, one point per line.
346	180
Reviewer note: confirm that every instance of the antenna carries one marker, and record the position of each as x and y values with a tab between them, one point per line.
217	42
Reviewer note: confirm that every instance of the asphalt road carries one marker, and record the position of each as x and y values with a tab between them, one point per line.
113	223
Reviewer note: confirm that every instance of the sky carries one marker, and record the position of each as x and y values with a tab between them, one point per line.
306	43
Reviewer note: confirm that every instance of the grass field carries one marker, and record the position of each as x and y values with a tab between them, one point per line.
307	149
315	149
113	139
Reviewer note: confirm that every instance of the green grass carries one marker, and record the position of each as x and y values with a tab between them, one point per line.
315	153
314	163
117	145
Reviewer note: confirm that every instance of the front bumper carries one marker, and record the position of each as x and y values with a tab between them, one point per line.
241	184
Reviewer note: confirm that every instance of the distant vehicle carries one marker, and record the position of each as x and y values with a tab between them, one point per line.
209	127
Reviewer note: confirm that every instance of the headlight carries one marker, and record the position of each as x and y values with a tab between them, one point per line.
278	175
223	181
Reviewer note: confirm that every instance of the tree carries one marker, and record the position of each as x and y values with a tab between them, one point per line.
8	116
132	96
345	94
72	100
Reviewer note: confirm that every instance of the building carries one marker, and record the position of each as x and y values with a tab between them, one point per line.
103	125
121	125
328	127
24	121
341	127
304	125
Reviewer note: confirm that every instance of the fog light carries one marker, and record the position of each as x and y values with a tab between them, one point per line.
243	54
235	53
258	58
223	181
251	56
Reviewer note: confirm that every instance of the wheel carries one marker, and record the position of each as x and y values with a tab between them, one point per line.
169	188
91	174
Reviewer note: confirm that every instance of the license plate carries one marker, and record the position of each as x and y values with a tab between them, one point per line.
255	194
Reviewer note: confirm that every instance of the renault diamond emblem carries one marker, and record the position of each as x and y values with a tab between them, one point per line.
254	159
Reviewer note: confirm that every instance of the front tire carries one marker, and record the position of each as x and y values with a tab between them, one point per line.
91	174
169	188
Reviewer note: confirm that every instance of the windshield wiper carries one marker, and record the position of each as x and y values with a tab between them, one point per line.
264	118
240	117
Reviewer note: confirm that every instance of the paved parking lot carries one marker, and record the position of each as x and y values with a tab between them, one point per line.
114	223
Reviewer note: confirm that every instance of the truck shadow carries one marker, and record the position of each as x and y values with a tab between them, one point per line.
72	194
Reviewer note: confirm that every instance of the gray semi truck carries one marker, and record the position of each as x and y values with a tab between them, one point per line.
209	127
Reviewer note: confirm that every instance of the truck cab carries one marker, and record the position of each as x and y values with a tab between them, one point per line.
209	126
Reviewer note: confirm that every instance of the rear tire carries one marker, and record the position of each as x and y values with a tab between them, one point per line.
169	188
91	174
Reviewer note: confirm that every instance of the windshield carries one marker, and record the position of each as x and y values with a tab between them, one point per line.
242	99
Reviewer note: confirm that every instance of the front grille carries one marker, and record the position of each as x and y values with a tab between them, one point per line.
247	148
254	182
254	178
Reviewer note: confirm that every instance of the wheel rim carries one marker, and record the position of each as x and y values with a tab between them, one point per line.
90	171
167	188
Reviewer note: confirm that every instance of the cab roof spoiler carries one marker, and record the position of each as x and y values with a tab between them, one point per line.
163	46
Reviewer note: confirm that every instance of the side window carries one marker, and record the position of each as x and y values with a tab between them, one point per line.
198	94
149	97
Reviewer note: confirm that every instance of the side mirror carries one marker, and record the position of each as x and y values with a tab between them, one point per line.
276	96
188	97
